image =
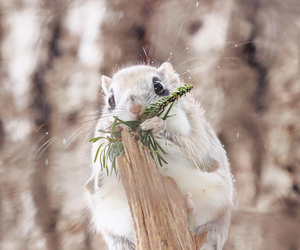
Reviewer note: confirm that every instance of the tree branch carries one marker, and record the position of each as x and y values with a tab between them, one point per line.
157	205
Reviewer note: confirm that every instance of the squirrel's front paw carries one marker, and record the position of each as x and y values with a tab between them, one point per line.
155	124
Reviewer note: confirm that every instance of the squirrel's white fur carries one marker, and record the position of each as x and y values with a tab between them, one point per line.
195	156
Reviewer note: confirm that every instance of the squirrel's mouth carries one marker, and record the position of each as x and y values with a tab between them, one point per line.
137	117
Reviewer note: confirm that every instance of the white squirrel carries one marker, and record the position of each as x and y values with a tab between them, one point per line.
196	159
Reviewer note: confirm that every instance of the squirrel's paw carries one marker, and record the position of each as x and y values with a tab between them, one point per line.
190	206
155	124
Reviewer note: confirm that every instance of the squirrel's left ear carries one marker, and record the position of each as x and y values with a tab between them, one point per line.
168	72
90	185
106	82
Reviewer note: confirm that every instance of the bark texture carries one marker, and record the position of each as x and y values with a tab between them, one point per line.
157	205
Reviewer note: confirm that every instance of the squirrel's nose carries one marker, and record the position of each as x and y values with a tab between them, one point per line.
135	109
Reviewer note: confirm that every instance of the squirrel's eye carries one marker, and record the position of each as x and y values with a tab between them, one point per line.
159	88
111	101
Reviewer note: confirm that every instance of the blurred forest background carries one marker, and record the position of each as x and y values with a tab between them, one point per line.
242	56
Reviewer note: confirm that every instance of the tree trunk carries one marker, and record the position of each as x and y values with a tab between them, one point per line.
157	206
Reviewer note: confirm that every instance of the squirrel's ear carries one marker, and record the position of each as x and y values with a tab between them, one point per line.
90	185
168	72
106	82
166	68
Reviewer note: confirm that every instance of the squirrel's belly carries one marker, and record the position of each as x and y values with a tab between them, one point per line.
210	195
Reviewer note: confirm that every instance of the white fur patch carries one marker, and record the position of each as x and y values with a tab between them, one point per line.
111	212
210	192
179	122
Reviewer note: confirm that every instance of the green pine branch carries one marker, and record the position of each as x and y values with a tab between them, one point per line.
112	146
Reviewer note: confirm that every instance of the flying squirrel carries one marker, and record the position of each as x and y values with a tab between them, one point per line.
196	159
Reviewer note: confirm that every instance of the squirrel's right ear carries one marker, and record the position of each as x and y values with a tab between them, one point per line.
166	68
168	72
106	82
